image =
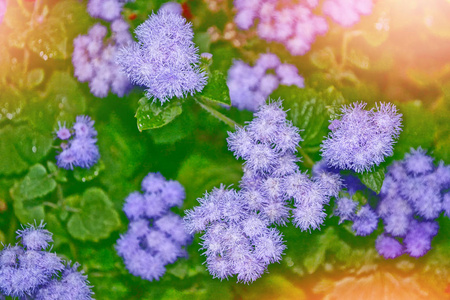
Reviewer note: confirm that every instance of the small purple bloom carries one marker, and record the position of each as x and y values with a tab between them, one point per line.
365	221
63	133
388	247
82	150
362	138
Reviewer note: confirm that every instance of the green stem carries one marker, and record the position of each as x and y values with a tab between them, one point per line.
60	195
308	162
218	114
50	204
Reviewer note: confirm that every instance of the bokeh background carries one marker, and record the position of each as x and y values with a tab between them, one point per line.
399	53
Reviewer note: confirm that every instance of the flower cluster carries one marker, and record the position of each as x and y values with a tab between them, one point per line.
81	150
347	12
360	139
94	59
31	271
108	10
156	236
237	238
293	22
251	86
413	195
165	60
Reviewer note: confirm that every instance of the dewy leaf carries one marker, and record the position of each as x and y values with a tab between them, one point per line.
217	89
49	40
83	174
97	217
373	180
11	102
151	115
35	184
31	144
65	95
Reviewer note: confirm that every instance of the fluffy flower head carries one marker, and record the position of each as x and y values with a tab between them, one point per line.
165	60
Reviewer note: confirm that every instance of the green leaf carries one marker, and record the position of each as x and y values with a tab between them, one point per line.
83	174
49	39
12	103
35	77
97	218
199	174
419	128
374	179
314	260
54	225
175	131
151	115
31	144
217	89
65	96
27	212
310	110
59	174
73	15
202	41
36	184
11	162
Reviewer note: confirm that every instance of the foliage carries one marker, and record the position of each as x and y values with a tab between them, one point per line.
185	139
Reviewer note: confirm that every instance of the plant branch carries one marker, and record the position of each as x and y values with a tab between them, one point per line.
218	114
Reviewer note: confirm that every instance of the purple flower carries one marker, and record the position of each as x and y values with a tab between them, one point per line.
446	204
32	272
251	86
237	239
292	24
63	133
107	10
165	60
35	237
418	162
361	140
418	239
82	150
71	285
365	221
345	209
147	249
388	247
172	7
94	58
